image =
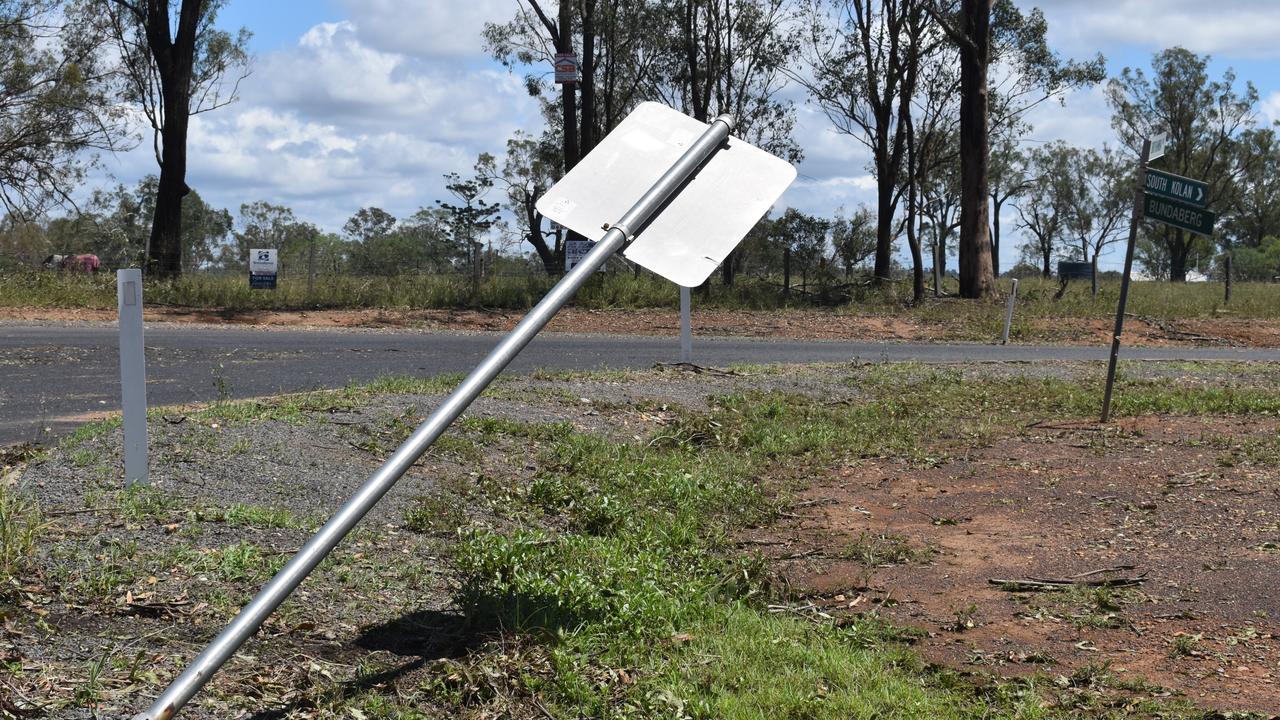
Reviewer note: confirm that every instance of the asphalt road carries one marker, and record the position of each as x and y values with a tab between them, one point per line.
53	378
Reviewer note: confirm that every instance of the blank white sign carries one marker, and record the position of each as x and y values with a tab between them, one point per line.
697	229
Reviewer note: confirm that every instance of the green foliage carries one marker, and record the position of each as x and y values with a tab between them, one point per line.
21	524
58	107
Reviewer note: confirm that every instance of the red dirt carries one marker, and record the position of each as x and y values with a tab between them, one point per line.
794	324
1163	498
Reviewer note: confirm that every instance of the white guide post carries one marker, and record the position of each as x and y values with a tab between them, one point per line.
1008	312
133	375
686	331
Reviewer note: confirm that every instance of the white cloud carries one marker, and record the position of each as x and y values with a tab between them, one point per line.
334	124
1270	109
1242	28
427	28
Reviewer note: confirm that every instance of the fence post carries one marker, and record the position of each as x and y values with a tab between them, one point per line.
1226	300
1008	313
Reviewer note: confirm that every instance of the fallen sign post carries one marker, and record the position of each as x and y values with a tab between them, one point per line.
708	153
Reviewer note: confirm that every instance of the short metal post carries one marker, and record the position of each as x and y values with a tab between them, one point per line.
1008	312
1140	183
133	375
251	617
686	331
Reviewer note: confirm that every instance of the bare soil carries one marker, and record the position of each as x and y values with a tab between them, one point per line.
793	324
1168	502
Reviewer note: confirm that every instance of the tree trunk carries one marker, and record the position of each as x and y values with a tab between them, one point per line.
976	274
884	227
174	62
588	82
1179	253
786	273
995	236
727	269
568	99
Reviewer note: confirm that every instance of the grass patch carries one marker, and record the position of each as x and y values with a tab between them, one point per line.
21	525
623	290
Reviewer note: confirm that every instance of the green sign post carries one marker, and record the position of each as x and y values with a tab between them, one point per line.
1177	214
1176	187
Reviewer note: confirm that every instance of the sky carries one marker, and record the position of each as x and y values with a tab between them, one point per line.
356	103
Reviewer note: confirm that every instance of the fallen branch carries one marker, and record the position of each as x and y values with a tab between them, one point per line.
696	369
1173	333
1035	584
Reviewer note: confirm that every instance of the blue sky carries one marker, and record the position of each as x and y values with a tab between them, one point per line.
369	102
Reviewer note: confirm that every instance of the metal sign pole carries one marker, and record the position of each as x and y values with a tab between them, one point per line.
686	330
251	617
1124	279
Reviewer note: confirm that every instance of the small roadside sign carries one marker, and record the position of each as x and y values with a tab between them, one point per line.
263	267
1176	187
1177	214
1158	145
575	251
566	68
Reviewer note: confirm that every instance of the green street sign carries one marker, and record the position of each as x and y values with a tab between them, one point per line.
1176	187
1177	214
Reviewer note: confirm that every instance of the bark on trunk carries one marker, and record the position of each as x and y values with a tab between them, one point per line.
976	274
568	98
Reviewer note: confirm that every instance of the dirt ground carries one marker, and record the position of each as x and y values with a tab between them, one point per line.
793	324
1169	503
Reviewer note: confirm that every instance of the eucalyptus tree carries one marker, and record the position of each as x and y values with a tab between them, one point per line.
1099	200
175	64
731	56
57	102
528	171
856	61
986	32
1043	209
1205	121
1254	212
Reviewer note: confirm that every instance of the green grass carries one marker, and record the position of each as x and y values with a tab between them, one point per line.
625	291
21	526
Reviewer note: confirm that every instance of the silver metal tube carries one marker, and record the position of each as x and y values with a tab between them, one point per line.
251	617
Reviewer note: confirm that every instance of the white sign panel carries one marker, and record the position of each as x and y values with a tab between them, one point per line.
263	266
566	68
1158	144
575	251
693	234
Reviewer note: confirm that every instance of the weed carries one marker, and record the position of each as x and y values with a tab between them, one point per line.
1184	645
434	515
874	550
21	525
